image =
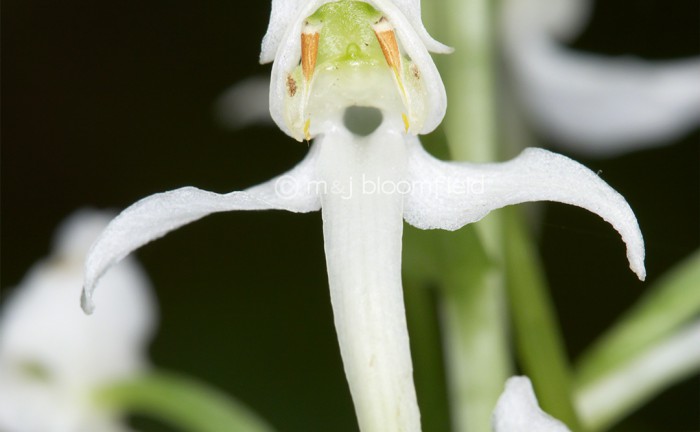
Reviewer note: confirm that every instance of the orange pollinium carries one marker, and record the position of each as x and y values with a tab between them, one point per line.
309	51
387	41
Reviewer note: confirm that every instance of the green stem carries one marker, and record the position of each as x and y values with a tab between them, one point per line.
477	353
181	402
426	351
473	305
474	328
469	79
539	343
470	305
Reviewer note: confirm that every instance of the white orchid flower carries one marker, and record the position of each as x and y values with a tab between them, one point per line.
517	410
358	79
52	356
594	104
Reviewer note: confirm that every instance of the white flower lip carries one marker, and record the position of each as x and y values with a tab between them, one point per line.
285	12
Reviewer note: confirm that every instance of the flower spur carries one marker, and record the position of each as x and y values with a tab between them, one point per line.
357	78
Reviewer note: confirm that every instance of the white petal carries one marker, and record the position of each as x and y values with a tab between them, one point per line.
517	410
635	382
51	355
245	103
286	13
156	215
283	14
288	55
362	229
411	10
450	195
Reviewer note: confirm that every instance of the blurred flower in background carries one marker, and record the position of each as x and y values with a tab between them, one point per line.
53	358
245	103
594	104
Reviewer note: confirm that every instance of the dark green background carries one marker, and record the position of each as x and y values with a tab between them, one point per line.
107	102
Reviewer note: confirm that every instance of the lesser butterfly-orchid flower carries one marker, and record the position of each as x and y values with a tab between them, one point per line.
356	77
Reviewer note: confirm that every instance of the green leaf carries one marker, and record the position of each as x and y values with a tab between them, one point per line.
637	346
181	402
669	303
539	342
605	401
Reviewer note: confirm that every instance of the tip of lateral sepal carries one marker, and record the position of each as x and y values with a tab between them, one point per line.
637	265
86	302
634	241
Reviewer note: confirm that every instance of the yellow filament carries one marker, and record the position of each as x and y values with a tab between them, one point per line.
406	124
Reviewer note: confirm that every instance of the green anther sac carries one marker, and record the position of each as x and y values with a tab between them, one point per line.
346	35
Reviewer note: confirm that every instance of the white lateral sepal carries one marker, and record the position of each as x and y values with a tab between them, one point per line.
449	195
157	215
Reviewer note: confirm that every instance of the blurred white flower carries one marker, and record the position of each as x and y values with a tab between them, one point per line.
52	356
594	104
517	410
358	77
245	103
